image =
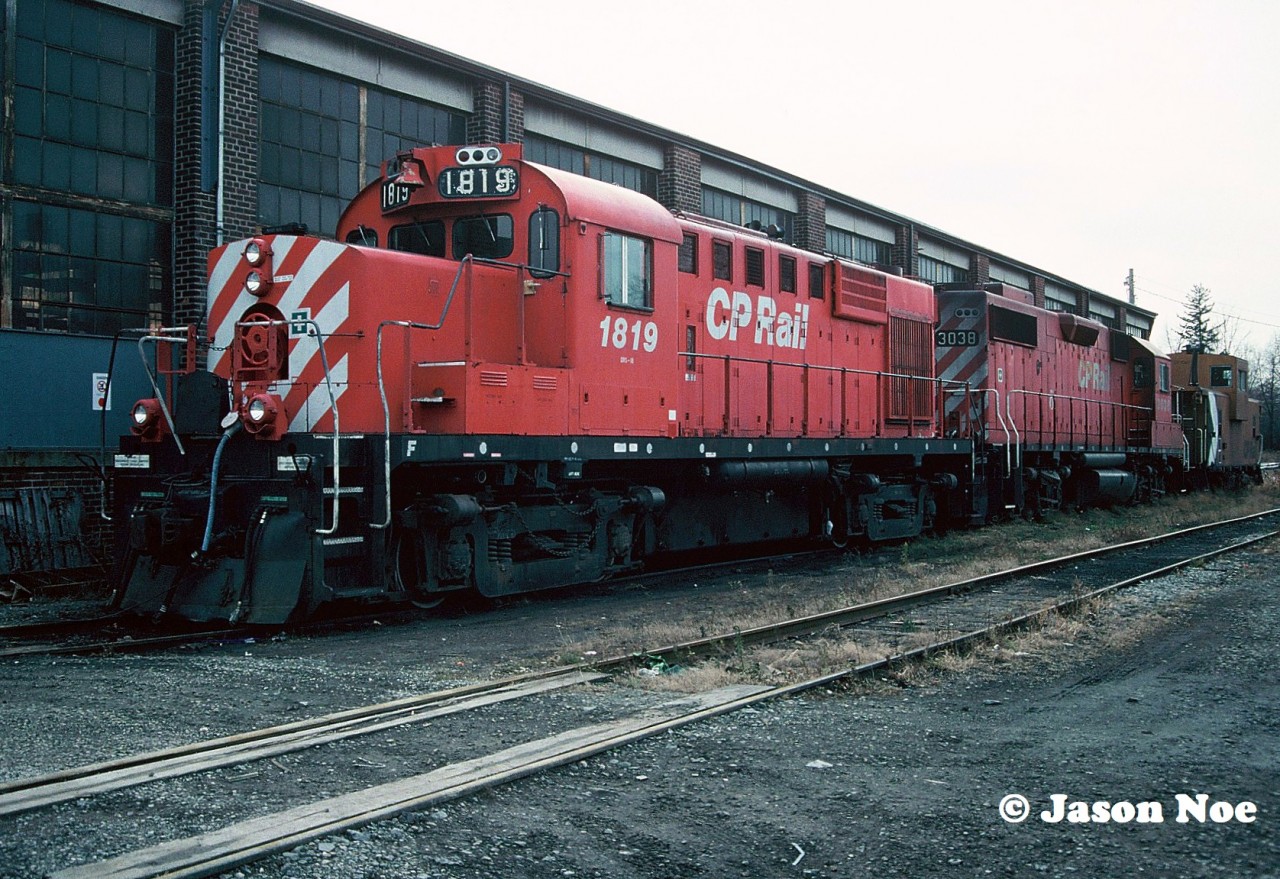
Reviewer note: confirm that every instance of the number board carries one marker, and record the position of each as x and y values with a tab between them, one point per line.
394	195
956	338
485	181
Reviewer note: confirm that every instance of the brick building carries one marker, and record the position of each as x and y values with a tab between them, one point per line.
138	134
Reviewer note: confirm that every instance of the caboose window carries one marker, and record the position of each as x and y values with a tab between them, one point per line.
425	238
544	243
689	254
626	270
1220	376
722	260
488	236
1164	377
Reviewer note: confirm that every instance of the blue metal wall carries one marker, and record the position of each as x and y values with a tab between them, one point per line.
47	391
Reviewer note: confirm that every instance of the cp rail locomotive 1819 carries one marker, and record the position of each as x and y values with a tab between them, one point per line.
502	377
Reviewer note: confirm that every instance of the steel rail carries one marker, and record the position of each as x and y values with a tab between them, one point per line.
244	747
854	614
253	839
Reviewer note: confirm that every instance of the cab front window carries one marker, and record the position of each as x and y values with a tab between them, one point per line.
488	236
426	238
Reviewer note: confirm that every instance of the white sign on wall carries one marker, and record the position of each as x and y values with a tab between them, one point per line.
101	393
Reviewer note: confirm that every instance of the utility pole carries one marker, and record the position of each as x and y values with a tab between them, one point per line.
1132	293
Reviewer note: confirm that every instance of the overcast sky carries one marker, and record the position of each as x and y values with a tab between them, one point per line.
1085	138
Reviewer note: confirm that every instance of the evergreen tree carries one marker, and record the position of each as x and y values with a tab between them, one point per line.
1198	332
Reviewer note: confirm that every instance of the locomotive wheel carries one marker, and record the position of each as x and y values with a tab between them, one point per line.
409	570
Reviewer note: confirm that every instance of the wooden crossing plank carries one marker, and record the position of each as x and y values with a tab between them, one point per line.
220	850
246	752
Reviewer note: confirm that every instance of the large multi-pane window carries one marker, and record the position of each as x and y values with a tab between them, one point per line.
555	154
83	271
321	143
92	122
935	271
745	212
858	247
93	103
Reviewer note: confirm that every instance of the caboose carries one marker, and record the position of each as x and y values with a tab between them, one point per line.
1223	425
503	377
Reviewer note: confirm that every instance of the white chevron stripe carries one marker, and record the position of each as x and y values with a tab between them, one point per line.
317	402
317	263
331	317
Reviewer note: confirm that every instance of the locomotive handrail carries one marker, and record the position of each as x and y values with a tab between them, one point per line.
152	336
333	403
1053	397
382	386
1008	460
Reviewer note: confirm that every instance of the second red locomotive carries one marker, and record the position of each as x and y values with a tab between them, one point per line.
503	377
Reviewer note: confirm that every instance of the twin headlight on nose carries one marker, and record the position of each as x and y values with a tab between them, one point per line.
261	413
257	253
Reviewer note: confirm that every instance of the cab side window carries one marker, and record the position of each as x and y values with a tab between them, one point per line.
544	243
626	270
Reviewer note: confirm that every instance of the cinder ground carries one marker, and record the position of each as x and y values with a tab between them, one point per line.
1171	689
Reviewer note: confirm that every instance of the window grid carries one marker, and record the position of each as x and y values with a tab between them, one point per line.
92	121
81	271
310	140
936	271
741	211
93	103
598	166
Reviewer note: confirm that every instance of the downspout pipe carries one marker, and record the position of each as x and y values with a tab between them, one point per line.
506	111
222	115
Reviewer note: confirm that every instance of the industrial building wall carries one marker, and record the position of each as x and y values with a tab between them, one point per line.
139	134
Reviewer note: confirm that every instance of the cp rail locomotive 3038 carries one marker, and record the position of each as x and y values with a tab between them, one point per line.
503	377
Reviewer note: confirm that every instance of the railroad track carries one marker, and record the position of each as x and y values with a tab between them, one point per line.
962	613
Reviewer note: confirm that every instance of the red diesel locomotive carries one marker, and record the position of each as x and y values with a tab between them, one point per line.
504	377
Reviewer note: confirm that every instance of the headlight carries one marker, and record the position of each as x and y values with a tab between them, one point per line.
146	419
254	284
263	418
256	251
258	410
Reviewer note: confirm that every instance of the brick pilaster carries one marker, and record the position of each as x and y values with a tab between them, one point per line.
1036	284
906	250
680	182
979	270
195	220
811	222
484	125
